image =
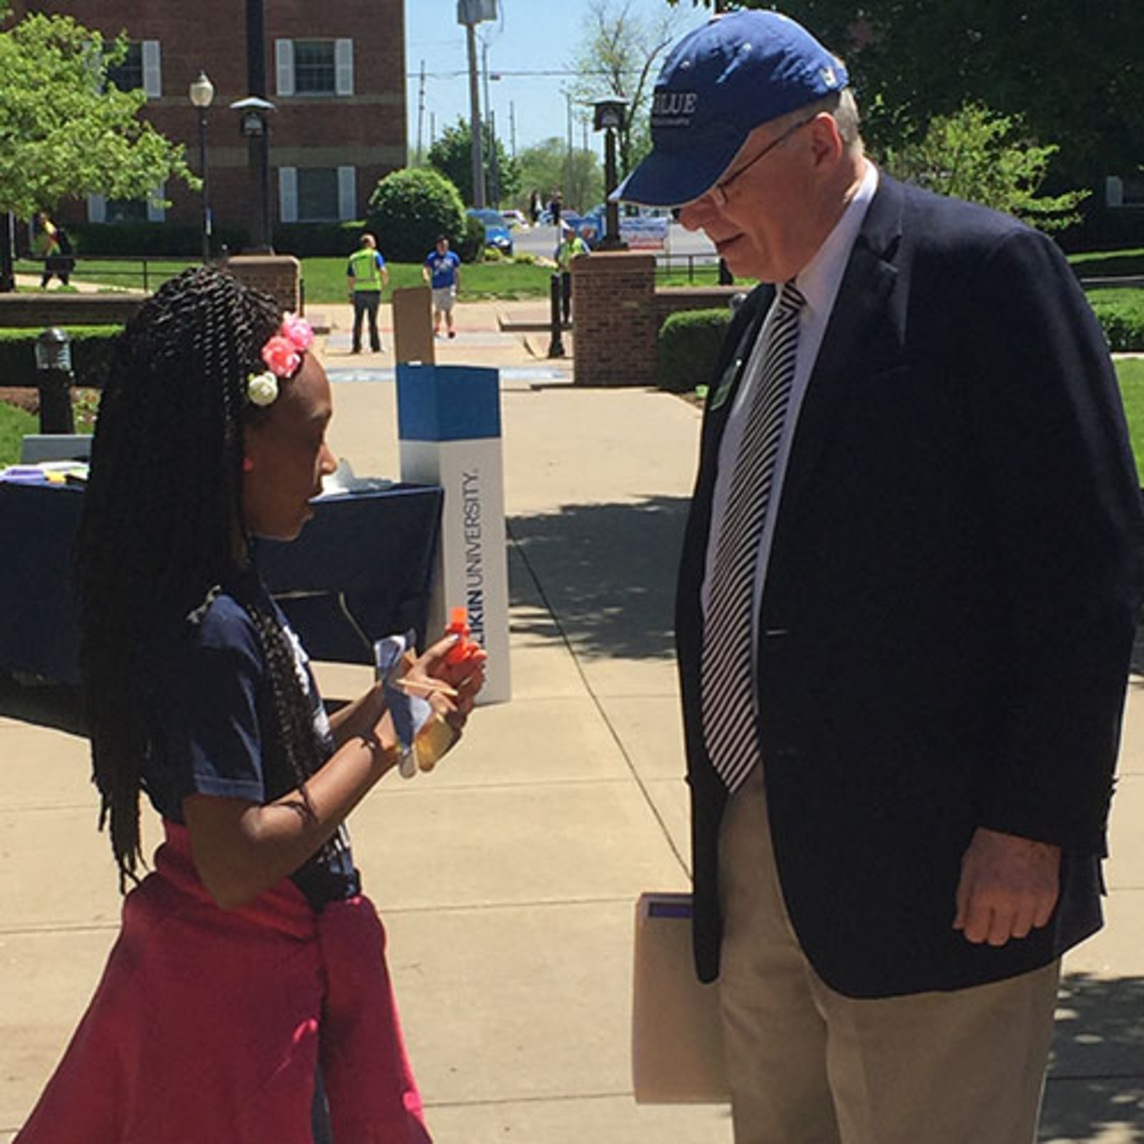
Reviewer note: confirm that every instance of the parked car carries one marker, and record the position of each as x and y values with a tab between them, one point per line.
496	229
515	218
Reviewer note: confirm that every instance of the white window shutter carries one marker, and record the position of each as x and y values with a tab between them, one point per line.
156	211
287	194
1113	191
344	67
97	208
152	69
347	193
284	61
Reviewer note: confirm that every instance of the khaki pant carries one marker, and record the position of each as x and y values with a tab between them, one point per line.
810	1066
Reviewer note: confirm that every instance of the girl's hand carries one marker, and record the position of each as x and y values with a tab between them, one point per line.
466	678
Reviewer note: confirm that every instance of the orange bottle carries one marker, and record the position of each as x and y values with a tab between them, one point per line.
464	647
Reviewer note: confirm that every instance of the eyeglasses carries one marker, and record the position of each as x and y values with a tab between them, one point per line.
718	192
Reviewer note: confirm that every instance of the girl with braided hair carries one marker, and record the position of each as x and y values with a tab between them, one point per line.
249	963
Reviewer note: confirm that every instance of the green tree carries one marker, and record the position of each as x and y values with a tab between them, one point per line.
64	131
977	155
452	155
1073	73
618	60
548	164
409	209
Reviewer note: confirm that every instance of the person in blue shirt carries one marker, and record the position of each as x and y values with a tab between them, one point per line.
249	965
367	275
442	270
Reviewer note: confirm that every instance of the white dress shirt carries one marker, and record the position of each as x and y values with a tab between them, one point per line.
818	281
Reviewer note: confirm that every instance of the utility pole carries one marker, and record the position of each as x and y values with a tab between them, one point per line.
421	116
512	126
471	13
568	158
475	119
494	162
494	170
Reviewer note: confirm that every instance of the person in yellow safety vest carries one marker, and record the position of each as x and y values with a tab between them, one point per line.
368	276
571	244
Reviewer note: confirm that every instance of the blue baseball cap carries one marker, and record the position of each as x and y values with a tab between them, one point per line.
719	83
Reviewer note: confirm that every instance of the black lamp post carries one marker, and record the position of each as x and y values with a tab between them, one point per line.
53	379
609	117
254	122
202	95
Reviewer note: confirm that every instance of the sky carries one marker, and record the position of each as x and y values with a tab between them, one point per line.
531	36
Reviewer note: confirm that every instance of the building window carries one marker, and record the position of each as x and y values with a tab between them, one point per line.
317	194
315	72
127	75
125	210
1134	191
151	209
140	68
314	67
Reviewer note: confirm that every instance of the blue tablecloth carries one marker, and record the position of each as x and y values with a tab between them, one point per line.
368	554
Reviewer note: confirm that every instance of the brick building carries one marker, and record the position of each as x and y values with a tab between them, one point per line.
335	72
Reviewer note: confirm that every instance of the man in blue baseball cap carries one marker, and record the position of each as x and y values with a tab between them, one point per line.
905	612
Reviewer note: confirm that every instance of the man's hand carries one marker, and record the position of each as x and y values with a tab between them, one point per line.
1009	885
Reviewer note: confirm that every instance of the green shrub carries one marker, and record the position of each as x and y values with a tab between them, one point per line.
319	239
151	238
471	247
1121	314
409	209
688	347
90	350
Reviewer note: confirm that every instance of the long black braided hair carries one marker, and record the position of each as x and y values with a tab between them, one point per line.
163	526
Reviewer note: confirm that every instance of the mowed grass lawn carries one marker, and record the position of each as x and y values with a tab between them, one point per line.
1131	374
14	424
324	279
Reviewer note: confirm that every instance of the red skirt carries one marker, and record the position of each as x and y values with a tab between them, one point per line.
208	1024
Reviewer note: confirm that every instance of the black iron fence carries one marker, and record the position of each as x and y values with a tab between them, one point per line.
137	272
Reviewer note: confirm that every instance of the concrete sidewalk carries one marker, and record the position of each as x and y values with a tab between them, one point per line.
507	878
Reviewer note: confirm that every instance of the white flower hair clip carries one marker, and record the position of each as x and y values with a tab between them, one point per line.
262	388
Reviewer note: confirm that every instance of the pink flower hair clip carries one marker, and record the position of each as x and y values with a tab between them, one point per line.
283	354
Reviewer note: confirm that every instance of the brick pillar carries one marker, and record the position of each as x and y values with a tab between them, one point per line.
279	275
615	321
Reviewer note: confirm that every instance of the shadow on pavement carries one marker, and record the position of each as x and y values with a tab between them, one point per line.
607	572
1096	1077
42	703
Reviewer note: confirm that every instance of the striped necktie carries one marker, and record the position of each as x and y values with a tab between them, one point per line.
727	676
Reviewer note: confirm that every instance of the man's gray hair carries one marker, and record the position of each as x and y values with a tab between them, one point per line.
842	107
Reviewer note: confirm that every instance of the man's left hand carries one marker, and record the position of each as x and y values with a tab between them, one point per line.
1009	886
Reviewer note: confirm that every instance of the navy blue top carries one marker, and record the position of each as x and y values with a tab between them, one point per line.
210	713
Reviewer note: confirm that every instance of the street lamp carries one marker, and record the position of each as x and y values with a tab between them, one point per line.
202	96
610	115
254	123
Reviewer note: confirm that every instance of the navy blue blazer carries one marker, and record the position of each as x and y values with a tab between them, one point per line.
949	606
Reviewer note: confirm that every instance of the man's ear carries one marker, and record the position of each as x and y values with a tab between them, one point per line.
825	140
